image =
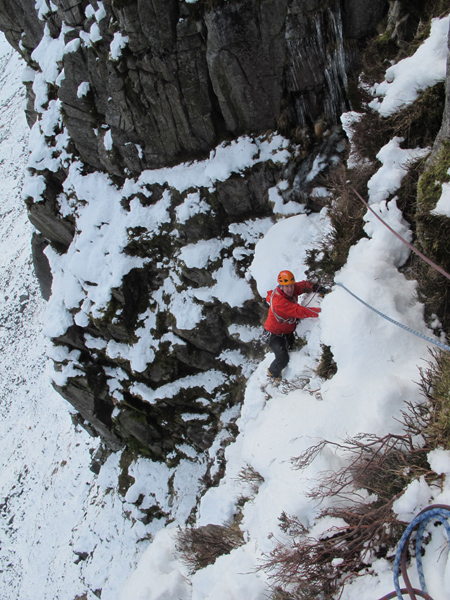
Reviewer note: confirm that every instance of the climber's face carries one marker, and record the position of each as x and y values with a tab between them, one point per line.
288	289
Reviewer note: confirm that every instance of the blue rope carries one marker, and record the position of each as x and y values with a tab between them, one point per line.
439	513
441	516
413	331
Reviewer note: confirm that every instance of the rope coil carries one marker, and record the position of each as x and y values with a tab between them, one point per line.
435	512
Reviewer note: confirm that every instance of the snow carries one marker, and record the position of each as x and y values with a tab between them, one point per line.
107	140
49	53
199	254
119	42
396	162
406	79
228	288
299	234
439	460
67	531
192	205
443	205
83	89
228	158
279	207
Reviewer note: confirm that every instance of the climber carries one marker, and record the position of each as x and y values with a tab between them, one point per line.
284	314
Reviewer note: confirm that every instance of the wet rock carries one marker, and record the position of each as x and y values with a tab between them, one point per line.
246	56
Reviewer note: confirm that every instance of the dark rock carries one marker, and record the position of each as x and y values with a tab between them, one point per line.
19	21
190	77
41	264
245	195
246	56
91	408
362	16
45	216
444	133
318	62
401	23
193	357
72	11
139	427
80	113
208	335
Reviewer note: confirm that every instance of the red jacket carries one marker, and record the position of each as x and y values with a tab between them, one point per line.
287	309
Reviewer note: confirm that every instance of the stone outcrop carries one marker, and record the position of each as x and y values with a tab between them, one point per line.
140	85
191	74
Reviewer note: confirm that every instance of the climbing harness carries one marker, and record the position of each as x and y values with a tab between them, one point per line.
265	336
435	512
413	248
413	331
291	320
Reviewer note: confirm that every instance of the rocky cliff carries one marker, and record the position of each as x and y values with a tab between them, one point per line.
166	138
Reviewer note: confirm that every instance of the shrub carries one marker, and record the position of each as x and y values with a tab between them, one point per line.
430	184
249	475
201	546
327	366
345	212
420	122
432	419
304	567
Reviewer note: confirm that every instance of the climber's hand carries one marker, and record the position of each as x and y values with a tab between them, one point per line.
320	289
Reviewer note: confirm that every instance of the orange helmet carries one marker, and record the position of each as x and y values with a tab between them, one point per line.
285	278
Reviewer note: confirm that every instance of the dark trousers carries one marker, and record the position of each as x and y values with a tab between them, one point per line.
280	344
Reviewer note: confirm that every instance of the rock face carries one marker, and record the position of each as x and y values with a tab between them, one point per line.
117	92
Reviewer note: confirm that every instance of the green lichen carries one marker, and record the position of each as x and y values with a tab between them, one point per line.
430	183
433	232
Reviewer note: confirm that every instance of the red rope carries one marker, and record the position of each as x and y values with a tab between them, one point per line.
407	591
413	248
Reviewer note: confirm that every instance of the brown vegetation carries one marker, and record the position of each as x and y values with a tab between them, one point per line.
360	495
199	547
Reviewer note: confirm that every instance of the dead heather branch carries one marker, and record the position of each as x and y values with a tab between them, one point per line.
380	465
433	418
201	546
306	567
249	474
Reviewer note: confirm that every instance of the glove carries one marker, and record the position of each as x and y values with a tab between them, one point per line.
320	289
